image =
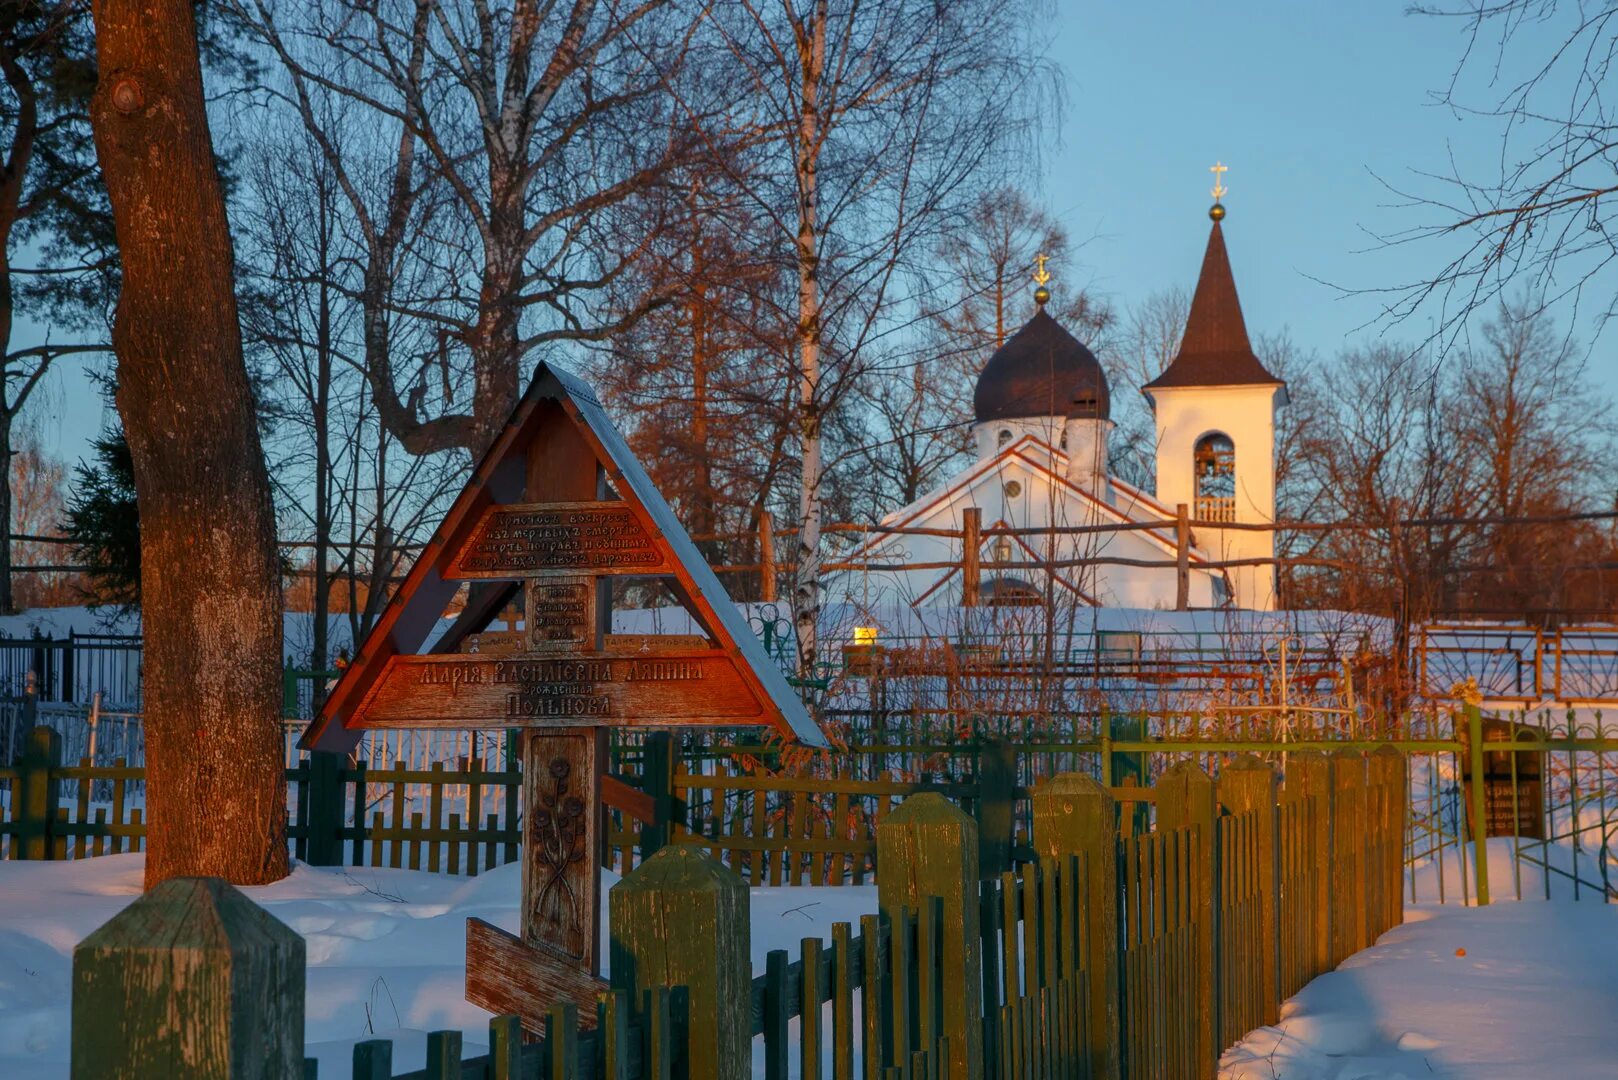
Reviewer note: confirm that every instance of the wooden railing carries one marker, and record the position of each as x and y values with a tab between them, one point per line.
1218	509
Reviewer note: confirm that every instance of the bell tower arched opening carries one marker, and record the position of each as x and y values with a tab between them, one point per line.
1213	464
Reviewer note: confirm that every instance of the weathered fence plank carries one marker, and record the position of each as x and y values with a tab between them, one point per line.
1075	816
40	794
1249	786
1186	800
929	847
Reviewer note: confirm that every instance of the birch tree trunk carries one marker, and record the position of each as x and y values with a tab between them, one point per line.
811	41
210	588
319	653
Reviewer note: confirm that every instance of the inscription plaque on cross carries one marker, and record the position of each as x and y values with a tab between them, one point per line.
558	509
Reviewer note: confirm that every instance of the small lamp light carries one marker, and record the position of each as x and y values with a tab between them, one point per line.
865	635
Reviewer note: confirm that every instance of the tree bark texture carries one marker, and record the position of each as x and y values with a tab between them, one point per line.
806	588
210	588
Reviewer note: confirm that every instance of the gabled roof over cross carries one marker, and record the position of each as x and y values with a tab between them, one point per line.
556	403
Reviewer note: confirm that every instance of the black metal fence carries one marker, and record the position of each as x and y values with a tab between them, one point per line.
74	669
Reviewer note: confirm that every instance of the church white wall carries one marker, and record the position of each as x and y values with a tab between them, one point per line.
1246	414
1086	444
995	435
1019	491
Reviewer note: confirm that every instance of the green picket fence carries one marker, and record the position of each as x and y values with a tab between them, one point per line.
1129	955
1116	953
1552	790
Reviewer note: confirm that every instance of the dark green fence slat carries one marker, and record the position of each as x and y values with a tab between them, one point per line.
842	1012
444	1055
373	1060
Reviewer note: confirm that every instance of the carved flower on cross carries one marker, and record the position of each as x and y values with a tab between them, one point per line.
559	835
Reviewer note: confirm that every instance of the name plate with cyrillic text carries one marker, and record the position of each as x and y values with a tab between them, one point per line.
699	687
541	539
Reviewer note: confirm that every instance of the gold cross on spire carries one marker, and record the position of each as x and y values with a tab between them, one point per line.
1219	190
1041	275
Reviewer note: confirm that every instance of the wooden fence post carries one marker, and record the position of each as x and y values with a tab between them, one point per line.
1389	769
657	780
766	557
1126	766
996	806
1248	785
1348	856
1074	815
324	829
928	847
1186	799
971	549
38	795
1480	809
1182	558
193	979
681	919
1311	774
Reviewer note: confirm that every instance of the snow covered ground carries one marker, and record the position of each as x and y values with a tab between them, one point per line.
1516	990
386	950
1534	994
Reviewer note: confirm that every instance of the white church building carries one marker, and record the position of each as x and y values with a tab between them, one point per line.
1031	500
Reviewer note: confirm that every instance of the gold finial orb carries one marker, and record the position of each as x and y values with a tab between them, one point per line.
1218	191
1042	277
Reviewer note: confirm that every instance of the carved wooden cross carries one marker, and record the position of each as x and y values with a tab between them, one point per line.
558	508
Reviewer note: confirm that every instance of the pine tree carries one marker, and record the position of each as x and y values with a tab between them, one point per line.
103	521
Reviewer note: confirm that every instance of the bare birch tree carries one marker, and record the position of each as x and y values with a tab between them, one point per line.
876	126
308	318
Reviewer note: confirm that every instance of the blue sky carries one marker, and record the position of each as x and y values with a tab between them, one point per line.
1307	102
1312	105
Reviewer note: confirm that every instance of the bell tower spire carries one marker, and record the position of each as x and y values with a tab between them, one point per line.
1215	407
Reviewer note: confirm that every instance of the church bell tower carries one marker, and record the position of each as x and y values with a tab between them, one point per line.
1215	409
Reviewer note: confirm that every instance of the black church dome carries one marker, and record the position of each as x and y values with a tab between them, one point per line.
1042	370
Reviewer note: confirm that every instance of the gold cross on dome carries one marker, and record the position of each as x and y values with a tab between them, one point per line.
1041	275
1219	190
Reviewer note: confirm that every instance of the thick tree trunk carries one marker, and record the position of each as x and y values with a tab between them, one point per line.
210	588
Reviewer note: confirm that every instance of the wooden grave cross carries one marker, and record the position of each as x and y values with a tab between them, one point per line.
558	508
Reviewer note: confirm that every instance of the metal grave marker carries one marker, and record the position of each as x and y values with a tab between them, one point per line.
557	508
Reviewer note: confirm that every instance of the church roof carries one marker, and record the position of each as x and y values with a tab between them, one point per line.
1042	370
1214	350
